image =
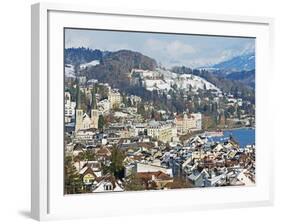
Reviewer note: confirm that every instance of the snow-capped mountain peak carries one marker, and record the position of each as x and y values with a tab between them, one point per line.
245	62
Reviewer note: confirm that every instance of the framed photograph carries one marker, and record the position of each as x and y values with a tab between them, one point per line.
148	111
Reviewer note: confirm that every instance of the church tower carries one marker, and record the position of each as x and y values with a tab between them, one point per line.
78	111
94	111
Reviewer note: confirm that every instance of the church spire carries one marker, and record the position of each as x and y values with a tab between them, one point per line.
94	100
78	97
79	111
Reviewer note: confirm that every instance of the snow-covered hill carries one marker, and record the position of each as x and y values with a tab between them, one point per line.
196	82
69	71
163	80
187	81
69	68
91	63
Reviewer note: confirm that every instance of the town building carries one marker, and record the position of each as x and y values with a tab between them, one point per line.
69	108
107	183
114	98
84	135
82	120
146	167
104	106
162	131
90	171
134	100
155	180
186	123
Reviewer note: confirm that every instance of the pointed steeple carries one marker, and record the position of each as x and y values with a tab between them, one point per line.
78	97
79	111
94	100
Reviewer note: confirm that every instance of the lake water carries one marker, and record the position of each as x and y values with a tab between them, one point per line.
245	136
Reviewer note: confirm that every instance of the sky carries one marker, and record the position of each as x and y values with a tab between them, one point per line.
167	49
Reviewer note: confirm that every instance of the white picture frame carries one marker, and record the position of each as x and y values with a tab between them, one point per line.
47	199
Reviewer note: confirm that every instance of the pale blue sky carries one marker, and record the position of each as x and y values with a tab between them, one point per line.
167	49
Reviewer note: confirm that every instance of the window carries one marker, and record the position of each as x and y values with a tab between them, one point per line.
108	187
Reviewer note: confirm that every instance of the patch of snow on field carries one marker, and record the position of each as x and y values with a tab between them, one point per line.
184	81
163	80
69	71
156	84
89	64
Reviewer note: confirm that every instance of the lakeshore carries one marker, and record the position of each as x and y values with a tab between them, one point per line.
244	136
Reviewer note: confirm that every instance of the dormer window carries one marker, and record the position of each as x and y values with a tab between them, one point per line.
108	187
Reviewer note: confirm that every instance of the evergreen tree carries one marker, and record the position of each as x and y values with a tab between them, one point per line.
89	155
205	87
133	183
116	166
152	114
73	182
101	122
141	109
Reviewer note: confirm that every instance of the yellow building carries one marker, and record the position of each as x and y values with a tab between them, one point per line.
114	98
186	123
161	131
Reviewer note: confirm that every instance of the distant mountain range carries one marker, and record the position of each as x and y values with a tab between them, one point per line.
244	62
240	68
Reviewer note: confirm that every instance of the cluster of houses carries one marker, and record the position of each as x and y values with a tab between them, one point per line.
127	123
197	163
154	156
